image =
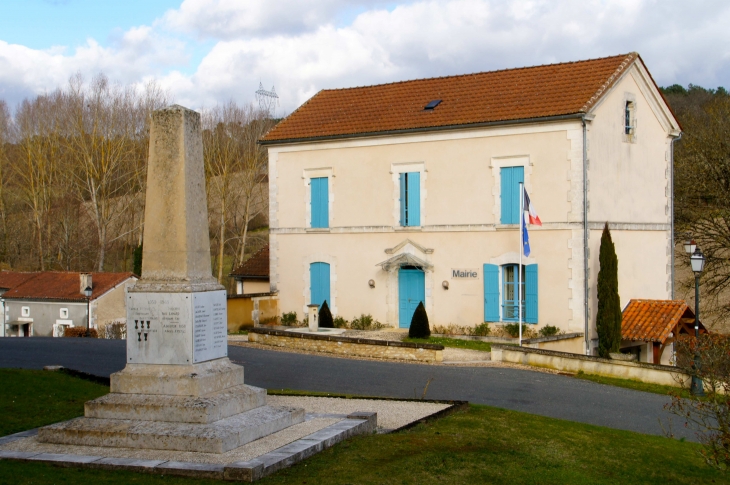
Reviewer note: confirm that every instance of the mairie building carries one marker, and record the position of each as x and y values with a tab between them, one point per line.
385	196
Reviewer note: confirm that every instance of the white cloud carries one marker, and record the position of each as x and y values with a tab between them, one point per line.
135	55
434	38
304	46
231	19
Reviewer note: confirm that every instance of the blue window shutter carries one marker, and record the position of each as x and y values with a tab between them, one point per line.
518	177
314	185
320	202
414	198
324	199
491	293
505	174
403	201
319	283
510	178
531	293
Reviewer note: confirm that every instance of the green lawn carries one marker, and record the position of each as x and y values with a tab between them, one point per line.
479	445
32	398
454	342
632	384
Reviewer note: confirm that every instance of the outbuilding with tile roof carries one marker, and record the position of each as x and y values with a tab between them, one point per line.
44	303
382	197
649	327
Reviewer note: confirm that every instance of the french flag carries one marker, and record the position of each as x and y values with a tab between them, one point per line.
529	217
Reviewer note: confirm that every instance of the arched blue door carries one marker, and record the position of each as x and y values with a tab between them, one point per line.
411	291
319	284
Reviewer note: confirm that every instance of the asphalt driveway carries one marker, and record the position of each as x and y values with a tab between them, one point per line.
532	392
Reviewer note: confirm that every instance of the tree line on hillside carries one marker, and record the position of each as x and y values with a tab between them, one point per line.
73	166
702	188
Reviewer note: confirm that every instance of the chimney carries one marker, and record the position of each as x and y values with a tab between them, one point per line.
85	282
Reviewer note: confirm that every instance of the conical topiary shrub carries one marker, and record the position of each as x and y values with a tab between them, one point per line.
419	323
325	316
608	316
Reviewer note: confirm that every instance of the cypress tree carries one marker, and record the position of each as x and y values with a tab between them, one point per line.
608	316
419	323
325	316
137	261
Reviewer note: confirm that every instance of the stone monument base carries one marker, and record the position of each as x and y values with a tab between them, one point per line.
202	407
177	380
217	437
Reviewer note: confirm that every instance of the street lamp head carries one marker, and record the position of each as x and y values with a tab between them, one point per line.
690	246
698	261
87	292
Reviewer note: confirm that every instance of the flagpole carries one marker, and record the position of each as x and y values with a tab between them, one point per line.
519	268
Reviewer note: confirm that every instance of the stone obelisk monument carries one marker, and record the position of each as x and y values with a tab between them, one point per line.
178	390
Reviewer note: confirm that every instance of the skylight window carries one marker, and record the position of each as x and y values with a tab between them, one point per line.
432	104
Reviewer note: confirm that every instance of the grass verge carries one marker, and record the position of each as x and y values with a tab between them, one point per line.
479	445
32	398
633	384
454	343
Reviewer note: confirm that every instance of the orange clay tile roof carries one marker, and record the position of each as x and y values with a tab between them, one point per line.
499	96
255	267
651	320
56	285
11	279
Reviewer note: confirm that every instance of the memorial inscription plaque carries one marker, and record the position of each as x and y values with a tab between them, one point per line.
159	329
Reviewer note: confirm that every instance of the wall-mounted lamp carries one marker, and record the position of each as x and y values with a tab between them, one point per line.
445	284
371	283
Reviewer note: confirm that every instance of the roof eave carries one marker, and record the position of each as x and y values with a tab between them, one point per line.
407	131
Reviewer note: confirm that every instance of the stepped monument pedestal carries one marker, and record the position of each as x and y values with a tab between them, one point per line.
178	390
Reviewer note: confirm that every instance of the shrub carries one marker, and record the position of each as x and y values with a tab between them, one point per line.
513	330
608	316
325	316
481	330
365	322
289	319
339	322
419	323
113	330
549	331
79	332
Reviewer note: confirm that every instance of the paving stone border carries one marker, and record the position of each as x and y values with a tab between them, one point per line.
353	424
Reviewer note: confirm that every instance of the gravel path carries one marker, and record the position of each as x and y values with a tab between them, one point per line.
391	414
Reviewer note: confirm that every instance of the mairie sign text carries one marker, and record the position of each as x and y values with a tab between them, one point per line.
464	274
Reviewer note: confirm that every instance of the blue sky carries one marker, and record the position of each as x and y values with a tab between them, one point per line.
41	24
205	52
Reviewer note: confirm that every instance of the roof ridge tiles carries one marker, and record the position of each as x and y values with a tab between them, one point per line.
452	76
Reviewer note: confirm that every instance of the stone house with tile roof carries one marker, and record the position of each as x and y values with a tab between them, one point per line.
44	303
253	275
384	196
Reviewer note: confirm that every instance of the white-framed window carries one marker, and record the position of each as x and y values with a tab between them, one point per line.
319	186
409	193
25	311
64	313
629	119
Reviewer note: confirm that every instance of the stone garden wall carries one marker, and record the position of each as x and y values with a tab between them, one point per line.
348	346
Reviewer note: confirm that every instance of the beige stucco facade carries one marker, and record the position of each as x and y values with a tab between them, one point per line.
628	185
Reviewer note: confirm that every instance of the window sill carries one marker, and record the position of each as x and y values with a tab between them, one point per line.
318	229
507	227
408	228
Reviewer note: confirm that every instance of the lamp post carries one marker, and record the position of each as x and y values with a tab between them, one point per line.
697	259
87	294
